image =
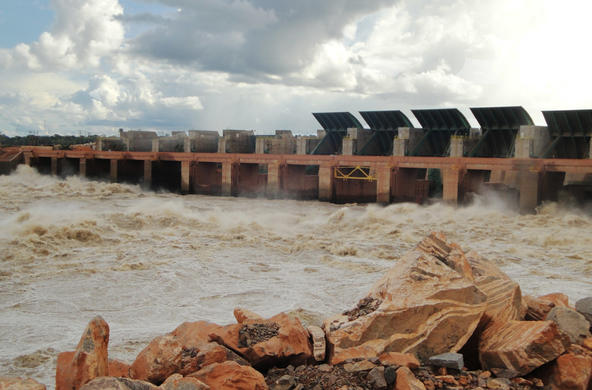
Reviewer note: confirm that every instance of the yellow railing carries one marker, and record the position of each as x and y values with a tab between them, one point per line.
354	173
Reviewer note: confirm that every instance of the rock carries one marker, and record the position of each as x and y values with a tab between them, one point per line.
504	297
230	376
319	343
90	359
175	352
426	304
376	378
587	343
448	360
243	315
390	375
178	382
571	322
363	365
277	341
399	360
498	383
516	348
112	383
538	308
286	382
7	383
407	381
118	368
571	372
584	307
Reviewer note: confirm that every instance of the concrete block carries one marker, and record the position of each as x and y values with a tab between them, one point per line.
406	140
531	141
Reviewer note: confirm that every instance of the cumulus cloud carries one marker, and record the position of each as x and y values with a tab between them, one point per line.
82	34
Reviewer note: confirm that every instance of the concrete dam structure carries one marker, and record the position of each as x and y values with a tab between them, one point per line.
389	162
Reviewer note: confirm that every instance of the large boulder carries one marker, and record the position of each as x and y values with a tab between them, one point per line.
90	359
178	382
182	351
426	304
570	372
230	376
279	340
9	383
515	348
572	323
118	368
407	381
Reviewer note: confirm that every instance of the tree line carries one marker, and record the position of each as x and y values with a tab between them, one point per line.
60	141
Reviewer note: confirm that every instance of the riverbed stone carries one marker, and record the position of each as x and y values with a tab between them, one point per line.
407	381
10	383
571	323
571	372
516	348
178	382
426	304
584	307
399	359
243	315
112	383
89	361
538	308
231	376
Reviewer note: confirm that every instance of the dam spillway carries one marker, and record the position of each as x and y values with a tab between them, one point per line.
333	178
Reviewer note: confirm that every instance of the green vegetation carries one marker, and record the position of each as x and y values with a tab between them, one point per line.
60	141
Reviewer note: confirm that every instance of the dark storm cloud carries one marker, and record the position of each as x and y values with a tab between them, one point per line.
257	38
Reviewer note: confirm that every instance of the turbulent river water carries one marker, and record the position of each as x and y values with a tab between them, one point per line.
146	261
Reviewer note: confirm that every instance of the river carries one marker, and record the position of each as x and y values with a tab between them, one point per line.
71	249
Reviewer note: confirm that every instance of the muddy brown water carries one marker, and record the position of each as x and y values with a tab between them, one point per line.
146	261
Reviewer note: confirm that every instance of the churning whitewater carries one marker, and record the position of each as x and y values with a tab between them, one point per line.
71	249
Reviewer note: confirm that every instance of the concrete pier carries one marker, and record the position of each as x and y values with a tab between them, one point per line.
82	167
147	173
326	183
383	184
113	170
227	178
451	180
185	176
273	179
54	166
529	189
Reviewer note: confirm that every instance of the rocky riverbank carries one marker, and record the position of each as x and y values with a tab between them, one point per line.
439	319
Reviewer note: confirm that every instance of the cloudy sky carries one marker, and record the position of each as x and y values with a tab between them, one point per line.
98	65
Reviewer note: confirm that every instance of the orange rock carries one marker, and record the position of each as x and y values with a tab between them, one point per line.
319	342
89	361
407	381
243	315
399	359
231	376
278	340
538	308
516	348
175	352
7	383
571	372
178	382
118	368
425	305
587	343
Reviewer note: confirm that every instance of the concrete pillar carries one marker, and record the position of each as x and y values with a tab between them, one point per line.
221	145
113	170
529	190
326	183
187	145
383	184
27	160
147	173
82	170
497	176
99	144
406	139
185	176
451	180
126	142
347	146
273	179
54	166
531	141
155	145
227	178
301	145
260	143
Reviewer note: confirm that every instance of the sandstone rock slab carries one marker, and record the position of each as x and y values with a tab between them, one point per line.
538	308
426	304
178	382
89	361
117	368
571	372
112	383
243	315
584	307
231	376
319	342
516	348
399	359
